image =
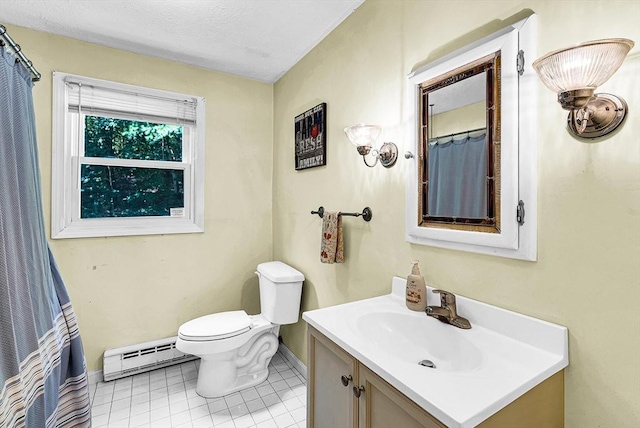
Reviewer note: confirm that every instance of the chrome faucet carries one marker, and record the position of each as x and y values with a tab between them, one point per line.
447	311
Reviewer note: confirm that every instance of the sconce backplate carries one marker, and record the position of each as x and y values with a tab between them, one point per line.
608	112
388	154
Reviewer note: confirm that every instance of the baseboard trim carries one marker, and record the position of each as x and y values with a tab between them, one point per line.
94	377
291	357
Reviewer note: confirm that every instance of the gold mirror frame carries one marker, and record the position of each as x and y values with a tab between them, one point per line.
490	64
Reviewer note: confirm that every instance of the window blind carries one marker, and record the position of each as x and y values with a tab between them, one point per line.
93	99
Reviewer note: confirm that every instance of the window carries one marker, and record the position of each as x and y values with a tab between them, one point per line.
127	160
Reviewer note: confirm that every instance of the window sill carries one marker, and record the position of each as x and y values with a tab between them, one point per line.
93	228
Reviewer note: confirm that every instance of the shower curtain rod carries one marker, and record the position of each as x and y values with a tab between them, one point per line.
18	51
457	133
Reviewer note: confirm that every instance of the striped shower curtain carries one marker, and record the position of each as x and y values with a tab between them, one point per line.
43	378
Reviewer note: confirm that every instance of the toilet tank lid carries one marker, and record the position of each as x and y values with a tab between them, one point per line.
279	272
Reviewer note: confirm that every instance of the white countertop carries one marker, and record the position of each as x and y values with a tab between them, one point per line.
501	357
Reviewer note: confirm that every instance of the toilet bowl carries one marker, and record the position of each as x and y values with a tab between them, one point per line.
235	348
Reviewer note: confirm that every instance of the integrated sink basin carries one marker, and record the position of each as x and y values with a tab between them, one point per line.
477	371
413	337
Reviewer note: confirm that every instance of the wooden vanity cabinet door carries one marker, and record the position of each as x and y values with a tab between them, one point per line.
383	406
330	404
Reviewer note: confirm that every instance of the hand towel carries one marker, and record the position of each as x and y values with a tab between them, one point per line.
332	248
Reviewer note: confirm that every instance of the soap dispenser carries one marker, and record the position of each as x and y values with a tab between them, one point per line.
416	290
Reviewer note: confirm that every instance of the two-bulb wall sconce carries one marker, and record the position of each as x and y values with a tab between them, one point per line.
363	136
575	73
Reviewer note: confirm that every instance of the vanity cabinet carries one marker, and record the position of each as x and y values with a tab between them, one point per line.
344	393
383	406
332	372
332	401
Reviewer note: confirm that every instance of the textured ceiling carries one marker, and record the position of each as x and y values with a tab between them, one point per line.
259	39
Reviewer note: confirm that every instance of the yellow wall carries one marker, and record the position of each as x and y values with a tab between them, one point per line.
472	116
587	276
133	289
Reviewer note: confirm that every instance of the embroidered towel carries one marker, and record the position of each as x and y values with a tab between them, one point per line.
332	248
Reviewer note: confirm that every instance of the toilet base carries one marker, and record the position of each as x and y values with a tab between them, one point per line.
213	390
228	372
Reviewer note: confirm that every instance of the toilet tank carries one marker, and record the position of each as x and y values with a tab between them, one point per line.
280	292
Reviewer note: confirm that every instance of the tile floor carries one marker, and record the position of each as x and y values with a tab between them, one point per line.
166	398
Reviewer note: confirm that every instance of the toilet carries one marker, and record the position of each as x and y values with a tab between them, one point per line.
235	348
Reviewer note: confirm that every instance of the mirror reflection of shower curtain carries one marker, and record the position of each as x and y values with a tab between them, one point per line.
457	178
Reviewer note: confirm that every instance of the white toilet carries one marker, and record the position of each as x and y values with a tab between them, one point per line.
236	348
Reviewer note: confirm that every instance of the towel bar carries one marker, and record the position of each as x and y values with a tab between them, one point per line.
366	213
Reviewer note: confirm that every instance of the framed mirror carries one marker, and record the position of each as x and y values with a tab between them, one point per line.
459	148
472	175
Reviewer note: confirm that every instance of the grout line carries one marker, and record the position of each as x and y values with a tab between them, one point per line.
181	413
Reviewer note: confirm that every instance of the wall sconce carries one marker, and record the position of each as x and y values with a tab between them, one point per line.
575	73
362	136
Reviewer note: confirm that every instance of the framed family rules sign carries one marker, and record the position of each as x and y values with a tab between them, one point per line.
310	132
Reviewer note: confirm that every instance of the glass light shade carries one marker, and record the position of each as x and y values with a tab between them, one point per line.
585	66
362	135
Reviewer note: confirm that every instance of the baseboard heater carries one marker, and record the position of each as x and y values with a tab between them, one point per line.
142	357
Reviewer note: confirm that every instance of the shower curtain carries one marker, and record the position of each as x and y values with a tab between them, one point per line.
43	378
458	178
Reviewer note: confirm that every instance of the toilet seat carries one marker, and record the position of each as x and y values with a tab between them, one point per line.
218	326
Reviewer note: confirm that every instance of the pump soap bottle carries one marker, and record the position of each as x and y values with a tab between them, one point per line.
416	290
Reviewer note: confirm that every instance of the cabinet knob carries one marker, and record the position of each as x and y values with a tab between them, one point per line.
346	379
358	390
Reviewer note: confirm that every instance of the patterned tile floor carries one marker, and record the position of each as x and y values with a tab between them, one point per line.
166	398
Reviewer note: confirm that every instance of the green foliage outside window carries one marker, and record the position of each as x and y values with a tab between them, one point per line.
119	191
106	137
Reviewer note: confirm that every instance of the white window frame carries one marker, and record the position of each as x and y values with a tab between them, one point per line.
68	156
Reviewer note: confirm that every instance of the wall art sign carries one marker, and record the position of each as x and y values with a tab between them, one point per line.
311	138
